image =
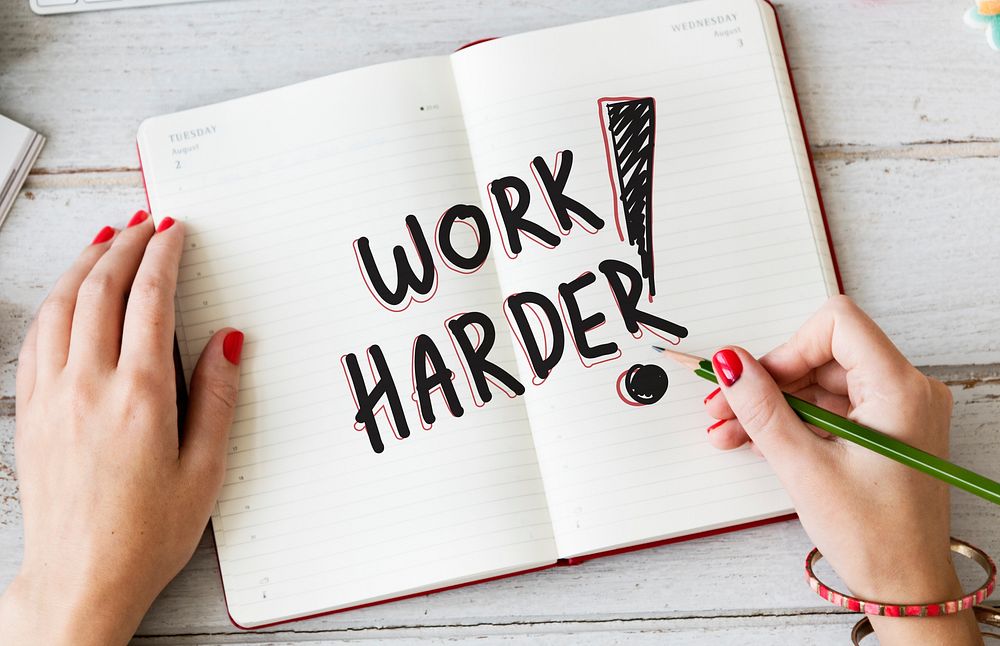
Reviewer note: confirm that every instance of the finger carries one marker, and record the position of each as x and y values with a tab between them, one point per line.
839	404
727	434
717	406
148	332
841	332
805	388
100	305
831	376
55	316
766	417
24	380
214	386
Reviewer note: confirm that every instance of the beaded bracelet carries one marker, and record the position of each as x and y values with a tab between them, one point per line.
909	610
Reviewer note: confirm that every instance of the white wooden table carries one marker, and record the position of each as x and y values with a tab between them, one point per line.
901	102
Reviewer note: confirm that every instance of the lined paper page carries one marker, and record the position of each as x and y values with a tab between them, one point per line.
274	189
736	245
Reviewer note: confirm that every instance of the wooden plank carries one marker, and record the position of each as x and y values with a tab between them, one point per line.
813	629
914	243
748	573
871	74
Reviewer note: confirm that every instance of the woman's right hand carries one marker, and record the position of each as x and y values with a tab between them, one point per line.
883	526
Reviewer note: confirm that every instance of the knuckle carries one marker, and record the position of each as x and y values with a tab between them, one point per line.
942	392
759	415
147	380
841	303
916	382
223	393
53	308
152	288
97	285
82	395
153	317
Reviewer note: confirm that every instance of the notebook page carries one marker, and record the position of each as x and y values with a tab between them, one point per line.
735	252
274	190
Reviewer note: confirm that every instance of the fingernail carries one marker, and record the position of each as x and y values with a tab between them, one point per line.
715	426
711	395
165	224
728	366
104	235
139	217
232	347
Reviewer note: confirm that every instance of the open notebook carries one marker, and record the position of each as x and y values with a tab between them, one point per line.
659	151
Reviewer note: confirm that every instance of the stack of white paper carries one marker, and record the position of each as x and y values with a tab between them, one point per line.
19	147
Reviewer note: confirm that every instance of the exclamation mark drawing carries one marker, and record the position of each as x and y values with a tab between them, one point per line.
629	128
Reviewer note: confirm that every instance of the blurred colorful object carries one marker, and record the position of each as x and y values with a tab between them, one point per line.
986	14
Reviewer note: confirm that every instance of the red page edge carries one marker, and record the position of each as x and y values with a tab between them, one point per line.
578	559
476	42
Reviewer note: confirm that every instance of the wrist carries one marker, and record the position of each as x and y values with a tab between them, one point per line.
926	582
959	629
888	579
36	610
897	582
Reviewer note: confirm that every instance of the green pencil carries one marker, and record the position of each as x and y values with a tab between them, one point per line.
869	438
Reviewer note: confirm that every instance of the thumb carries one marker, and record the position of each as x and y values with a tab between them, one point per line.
766	417
213	389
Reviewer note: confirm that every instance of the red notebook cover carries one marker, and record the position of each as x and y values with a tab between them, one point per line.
587	557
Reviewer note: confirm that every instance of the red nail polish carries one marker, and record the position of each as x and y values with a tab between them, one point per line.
711	395
139	217
728	366
103	235
715	426
232	347
165	224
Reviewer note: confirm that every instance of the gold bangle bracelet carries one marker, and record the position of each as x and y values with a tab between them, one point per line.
987	615
947	607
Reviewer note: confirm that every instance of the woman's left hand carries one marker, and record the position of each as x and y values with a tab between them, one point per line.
114	503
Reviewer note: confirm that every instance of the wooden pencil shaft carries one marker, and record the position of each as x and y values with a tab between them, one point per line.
869	438
896	449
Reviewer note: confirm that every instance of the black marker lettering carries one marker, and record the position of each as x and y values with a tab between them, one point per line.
628	300
512	214
629	140
424	352
562	205
540	365
406	278
448	252
579	326
368	399
476	357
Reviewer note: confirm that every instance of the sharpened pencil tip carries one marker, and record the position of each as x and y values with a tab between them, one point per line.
688	360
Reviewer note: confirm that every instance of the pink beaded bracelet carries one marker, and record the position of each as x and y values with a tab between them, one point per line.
909	610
